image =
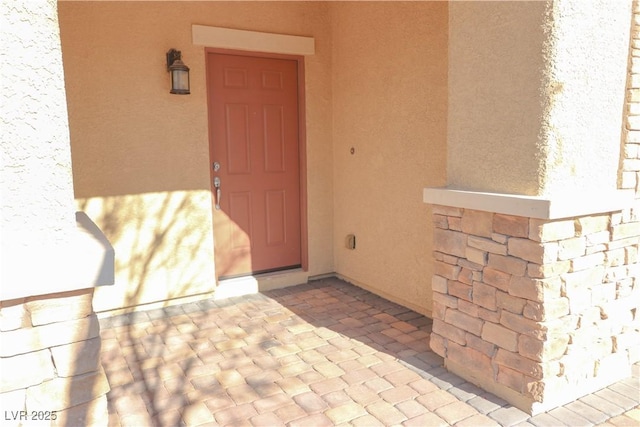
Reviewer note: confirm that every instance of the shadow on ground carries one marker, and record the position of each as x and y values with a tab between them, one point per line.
324	353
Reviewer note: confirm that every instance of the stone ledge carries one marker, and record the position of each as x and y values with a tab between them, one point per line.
85	260
539	207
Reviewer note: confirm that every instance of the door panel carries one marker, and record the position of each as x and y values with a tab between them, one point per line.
276	218
253	121
274	147
237	139
240	210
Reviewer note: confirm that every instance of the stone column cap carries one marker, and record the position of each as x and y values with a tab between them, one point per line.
587	202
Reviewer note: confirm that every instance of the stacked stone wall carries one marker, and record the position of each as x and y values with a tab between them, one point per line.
537	311
50	360
630	165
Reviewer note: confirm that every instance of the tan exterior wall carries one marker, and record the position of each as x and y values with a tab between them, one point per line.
141	155
524	79
495	104
34	120
36	189
587	53
390	106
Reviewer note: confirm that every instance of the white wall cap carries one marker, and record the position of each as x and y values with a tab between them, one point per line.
556	207
86	260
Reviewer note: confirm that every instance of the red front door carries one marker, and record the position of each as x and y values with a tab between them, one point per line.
253	128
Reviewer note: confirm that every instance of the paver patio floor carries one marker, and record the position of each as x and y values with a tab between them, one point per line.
325	353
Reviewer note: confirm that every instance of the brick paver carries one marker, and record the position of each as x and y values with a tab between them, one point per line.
568	417
324	353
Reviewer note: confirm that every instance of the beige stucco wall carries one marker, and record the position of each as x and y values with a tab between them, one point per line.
535	95
495	104
37	212
587	49
390	105
141	155
37	190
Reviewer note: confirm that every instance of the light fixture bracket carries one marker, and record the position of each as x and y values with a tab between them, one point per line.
172	56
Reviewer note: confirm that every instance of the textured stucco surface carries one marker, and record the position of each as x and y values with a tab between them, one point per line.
141	155
535	95
35	177
37	210
381	89
587	52
495	104
390	105
162	242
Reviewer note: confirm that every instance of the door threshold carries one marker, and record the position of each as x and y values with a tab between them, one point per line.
253	284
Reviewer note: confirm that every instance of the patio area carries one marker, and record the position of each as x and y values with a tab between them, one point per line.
325	353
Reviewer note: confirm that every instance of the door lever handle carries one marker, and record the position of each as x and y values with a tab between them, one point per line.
216	184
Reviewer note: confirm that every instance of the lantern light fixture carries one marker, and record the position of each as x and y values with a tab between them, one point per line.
179	73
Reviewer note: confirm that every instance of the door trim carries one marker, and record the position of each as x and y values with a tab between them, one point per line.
302	140
253	41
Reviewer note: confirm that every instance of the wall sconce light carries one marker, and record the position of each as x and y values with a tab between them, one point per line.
179	73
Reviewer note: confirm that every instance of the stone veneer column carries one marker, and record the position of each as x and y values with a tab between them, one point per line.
537	279
539	312
630	163
51	257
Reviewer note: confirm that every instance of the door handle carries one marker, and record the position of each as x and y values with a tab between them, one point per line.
216	184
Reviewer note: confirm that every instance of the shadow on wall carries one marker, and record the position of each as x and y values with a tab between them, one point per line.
163	243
